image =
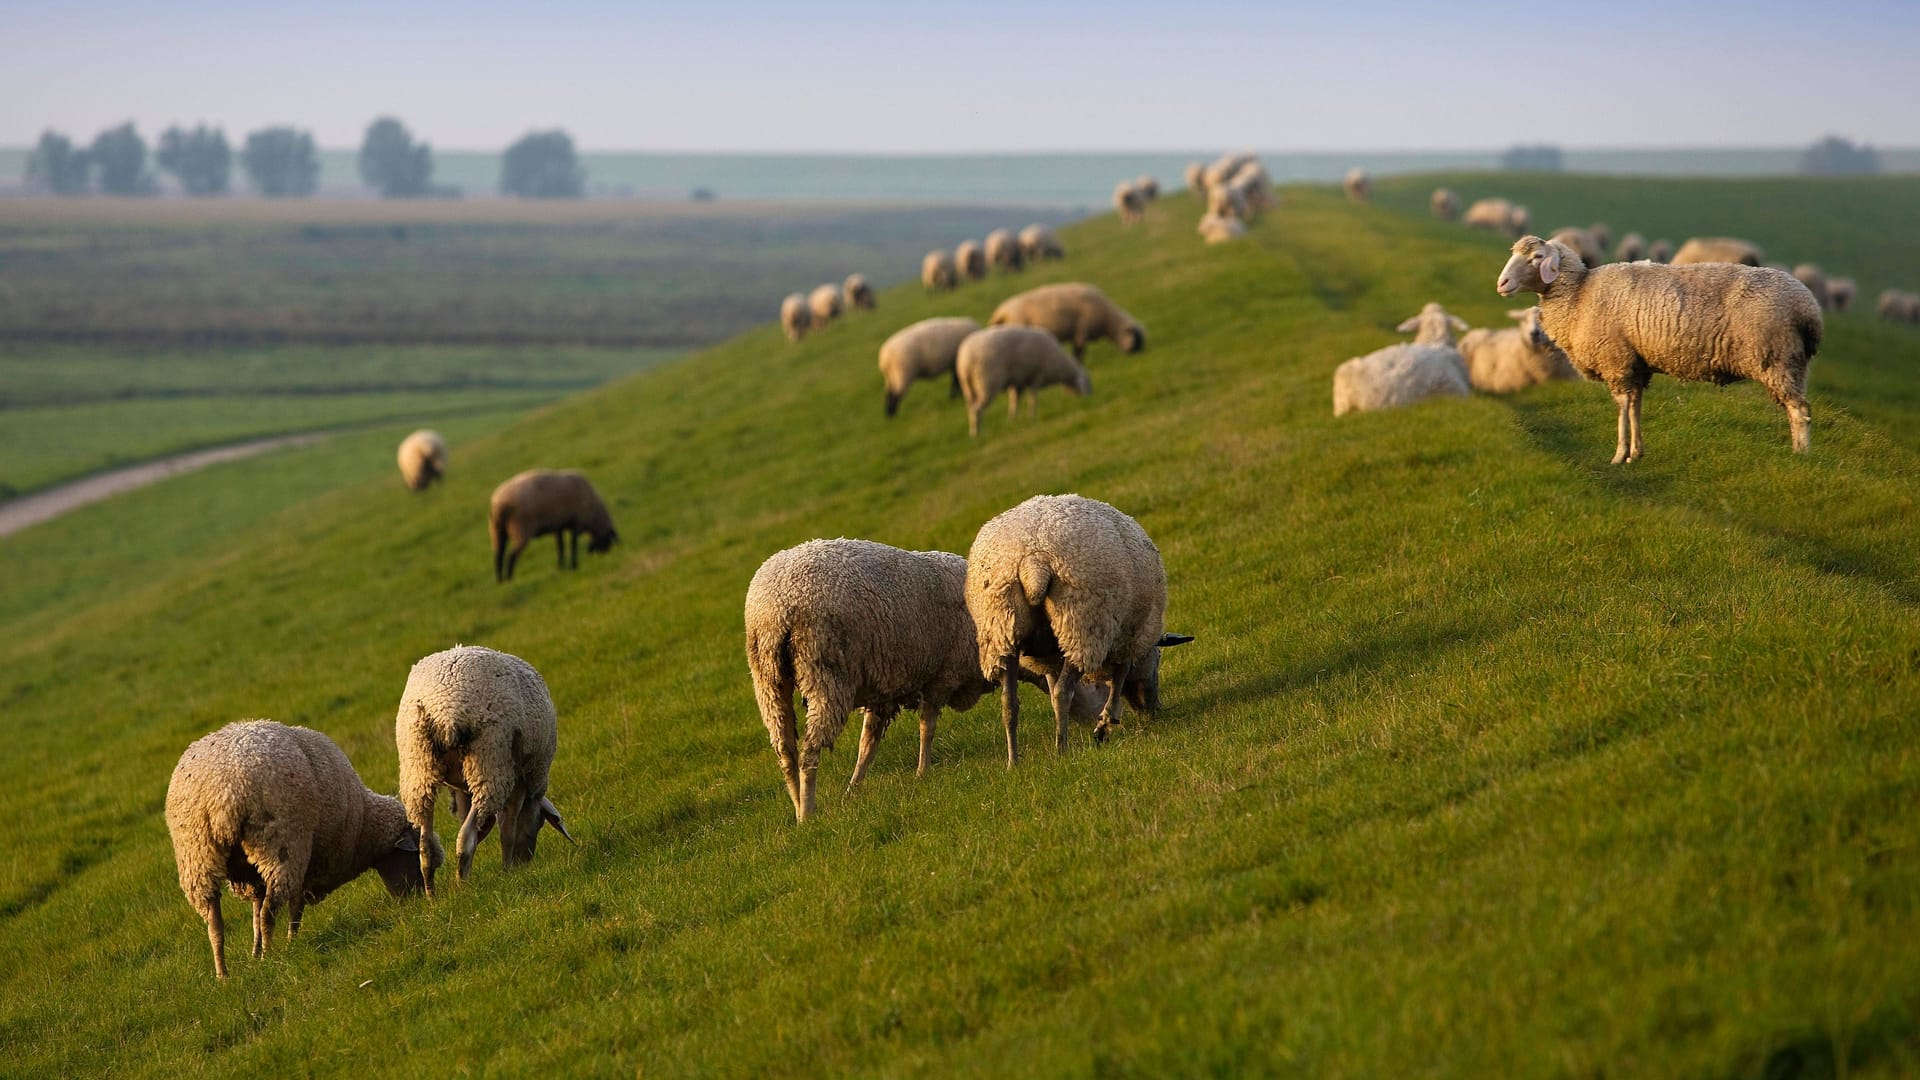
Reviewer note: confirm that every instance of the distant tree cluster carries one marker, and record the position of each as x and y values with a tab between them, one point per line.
542	165
200	159
1835	156
1543	157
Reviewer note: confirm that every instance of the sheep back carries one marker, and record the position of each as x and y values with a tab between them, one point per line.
1072	312
423	459
1398	375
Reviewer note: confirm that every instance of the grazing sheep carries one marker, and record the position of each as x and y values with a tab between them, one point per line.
1503	361
795	318
1215	229
1147	186
1037	242
1583	242
1897	305
1196	175
1073	588
1129	202
1498	215
928	349
542	501
1358	184
1228	201
1720	323
971	258
1434	325
1398	375
1816	282
1074	312
1840	291
937	271
279	815
1444	204
1660	251
1717	249
859	294
825	304
1223	169
423	459
1003	251
1255	186
1602	234
1633	248
1014	359
482	723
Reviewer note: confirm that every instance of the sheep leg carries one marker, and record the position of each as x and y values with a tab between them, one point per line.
1620	447
826	714
576	549
1110	712
873	726
479	822
787	746
509	819
461	803
262	923
513	556
928	715
1634	451
1062	688
207	903
1010	706
560	547
1013	403
1793	398
973	419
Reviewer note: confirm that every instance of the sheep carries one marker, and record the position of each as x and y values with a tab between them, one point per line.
1660	251
1444	204
1433	326
1227	201
482	723
1398	375
1014	359
542	501
1621	324
971	259
1215	229
1840	291
279	815
937	271
1037	242
1074	312
1223	168
1816	282
1255	186
1717	249
1358	184
1003	251
1129	202
1602	234
926	350
1503	361
1897	305
1498	215
423	459
1196	175
1633	248
1147	186
859	294
1583	242
825	304
1072	588
795	317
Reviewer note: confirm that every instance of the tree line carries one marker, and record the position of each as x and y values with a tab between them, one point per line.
282	162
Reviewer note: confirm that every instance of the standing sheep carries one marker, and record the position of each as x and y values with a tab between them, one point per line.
1633	248
937	271
1840	291
1717	249
1816	282
859	294
1717	323
1897	305
1583	242
1074	588
482	723
1255	186
1228	201
1498	215
1014	359
1503	361
423	459
542	501
824	302
1444	204
1602	234
1147	186
279	815
928	349
795	318
1037	242
1223	169
1660	251
1129	202
1003	251
1434	325
1215	229
971	259
1196	174
1073	312
1358	184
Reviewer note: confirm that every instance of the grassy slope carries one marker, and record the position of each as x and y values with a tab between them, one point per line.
1490	757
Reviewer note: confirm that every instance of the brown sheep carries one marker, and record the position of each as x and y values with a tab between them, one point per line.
971	259
542	501
1073	312
859	294
1716	249
1003	251
937	271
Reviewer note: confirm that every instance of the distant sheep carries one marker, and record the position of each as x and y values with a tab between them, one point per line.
1255	186
1003	251
825	304
1074	312
1215	229
795	317
1196	175
859	294
1499	215
1602	234
1358	184
1716	323
423	459
1228	201
1660	251
1037	242
937	272
1014	360
1503	361
928	349
1444	204
1717	249
1434	325
1816	282
1633	248
1840	292
1223	169
1583	242
1147	186
1129	202
971	259
540	502
1898	305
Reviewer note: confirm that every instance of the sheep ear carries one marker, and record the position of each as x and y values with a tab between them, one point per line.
1518	313
408	841
1168	641
1409	326
1459	323
549	815
1549	263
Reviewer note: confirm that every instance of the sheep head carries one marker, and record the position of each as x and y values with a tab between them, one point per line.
1529	320
399	869
1142	688
1133	338
1534	265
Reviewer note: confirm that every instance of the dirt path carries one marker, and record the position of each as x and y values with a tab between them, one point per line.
30	510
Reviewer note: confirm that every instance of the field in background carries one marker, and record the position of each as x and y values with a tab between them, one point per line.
1490	759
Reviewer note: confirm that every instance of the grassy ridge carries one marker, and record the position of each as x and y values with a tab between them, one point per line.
1491	758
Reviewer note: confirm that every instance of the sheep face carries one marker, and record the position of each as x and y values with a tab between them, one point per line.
1133	338
1142	689
517	847
1529	320
599	542
1534	265
399	869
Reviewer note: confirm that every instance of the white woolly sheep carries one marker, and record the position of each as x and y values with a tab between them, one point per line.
1196	174
937	271
423	459
1223	169
1434	325
1129	202
1717	249
1898	305
971	259
1215	229
1444	204
927	349
1014	359
1003	251
1255	185
1660	251
1147	186
1073	312
1503	361
1038	242
1840	292
1633	248
1716	322
795	317
539	502
482	723
825	304
1228	201
1072	588
858	292
1358	184
1581	241
278	814
1398	375
1816	282
1498	215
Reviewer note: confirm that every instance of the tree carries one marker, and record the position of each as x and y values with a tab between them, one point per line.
281	162
121	156
392	163
542	165
1835	156
200	159
1542	158
57	166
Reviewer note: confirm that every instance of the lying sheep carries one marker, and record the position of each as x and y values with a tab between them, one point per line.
1498	215
1840	291
1228	201
423	459
1717	249
1444	204
859	294
937	271
1147	186
1358	184
1897	305
1014	359
928	349
482	723
1660	251
1633	248
1434	325
1073	312
542	501
1717	323
1816	282
1581	241
1037	242
825	304
1215	229
971	259
795	318
1398	375
1073	588
1003	251
278	814
1129	202
1503	361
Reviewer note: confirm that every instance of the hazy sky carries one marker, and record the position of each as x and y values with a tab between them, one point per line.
962	75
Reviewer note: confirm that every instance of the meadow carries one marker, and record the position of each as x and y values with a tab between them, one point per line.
1490	758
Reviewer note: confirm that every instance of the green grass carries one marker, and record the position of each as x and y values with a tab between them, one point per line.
1490	759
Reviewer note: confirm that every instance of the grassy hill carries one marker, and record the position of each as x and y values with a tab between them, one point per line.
1490	758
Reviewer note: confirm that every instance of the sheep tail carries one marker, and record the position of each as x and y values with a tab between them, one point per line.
1811	331
1035	578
